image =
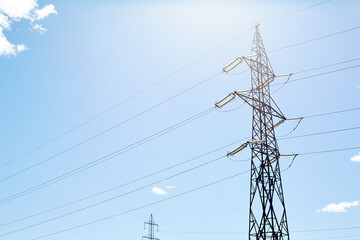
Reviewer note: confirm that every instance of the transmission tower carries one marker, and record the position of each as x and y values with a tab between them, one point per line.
267	215
152	225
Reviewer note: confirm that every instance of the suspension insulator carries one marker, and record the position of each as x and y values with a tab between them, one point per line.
297	118
266	83
232	65
235	151
277	124
274	159
225	100
243	91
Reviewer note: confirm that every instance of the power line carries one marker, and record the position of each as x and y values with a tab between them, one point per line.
113	198
315	39
317	75
329	65
140	207
303	9
327	229
331	113
321	133
141	113
333	237
328	151
109	129
168	168
295	231
145	89
157	105
121	103
124	184
153	183
311	69
126	149
156	202
106	157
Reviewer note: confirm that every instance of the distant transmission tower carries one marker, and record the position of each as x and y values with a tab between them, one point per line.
267	216
152	226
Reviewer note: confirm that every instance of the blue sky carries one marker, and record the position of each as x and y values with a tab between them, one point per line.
95	54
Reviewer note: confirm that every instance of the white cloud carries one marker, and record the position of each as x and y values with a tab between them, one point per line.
340	207
39	28
170	187
7	48
20	48
4	21
15	11
18	9
355	158
45	11
158	191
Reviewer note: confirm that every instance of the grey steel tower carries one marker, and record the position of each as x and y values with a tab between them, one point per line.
267	215
152	225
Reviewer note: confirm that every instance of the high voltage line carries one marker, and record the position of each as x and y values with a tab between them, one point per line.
119	152
329	65
296	231
162	132
315	39
142	206
147	88
151	108
118	196
127	183
300	10
317	75
149	204
109	129
163	179
170	129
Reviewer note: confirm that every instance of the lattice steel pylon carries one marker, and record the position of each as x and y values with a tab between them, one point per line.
152	225
267	214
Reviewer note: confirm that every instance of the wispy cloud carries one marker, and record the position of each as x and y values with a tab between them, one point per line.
158	191
170	187
339	207
15	11
45	12
355	158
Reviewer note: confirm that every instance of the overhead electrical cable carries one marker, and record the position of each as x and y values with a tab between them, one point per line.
114	197
166	178
141	113
106	157
108	129
121	151
124	184
153	203
320	133
316	75
329	65
141	207
332	113
311	69
294	231
300	10
145	89
315	39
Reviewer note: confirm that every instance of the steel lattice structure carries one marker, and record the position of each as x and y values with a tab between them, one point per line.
267	215
152	225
